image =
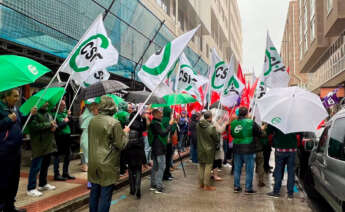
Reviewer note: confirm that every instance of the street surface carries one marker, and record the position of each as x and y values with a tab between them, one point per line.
183	194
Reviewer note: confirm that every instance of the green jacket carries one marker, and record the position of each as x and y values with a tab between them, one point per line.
242	131
64	128
106	138
42	138
208	138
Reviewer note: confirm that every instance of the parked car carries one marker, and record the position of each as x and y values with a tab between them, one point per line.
327	162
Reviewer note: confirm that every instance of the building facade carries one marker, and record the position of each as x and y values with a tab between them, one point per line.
320	42
220	24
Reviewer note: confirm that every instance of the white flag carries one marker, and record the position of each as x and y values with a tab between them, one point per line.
188	80
275	73
219	72
97	76
233	88
158	65
93	52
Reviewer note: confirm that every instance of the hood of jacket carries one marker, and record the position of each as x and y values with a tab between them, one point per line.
204	123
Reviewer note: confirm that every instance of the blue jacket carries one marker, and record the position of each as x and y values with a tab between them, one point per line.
10	132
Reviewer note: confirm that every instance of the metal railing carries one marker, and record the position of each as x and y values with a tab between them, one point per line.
331	68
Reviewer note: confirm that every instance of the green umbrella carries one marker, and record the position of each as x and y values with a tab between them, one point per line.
116	99
16	71
176	99
53	96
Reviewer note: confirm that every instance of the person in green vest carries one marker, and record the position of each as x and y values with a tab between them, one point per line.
243	130
63	142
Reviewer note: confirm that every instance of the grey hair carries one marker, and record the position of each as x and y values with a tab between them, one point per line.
107	106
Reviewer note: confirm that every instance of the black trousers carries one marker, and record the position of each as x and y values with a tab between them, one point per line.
267	156
168	158
9	181
64	148
135	179
123	165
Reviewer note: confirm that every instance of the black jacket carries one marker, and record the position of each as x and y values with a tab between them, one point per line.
10	132
135	151
192	127
158	148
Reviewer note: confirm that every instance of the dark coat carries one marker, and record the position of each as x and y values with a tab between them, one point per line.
10	132
158	148
192	128
135	151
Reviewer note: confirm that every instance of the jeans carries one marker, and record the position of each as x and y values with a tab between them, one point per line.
39	164
205	174
100	198
157	172
282	159
180	145
194	153
134	179
248	159
147	149
168	157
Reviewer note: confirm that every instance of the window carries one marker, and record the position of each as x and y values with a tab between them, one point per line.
207	51
329	6
336	142
323	140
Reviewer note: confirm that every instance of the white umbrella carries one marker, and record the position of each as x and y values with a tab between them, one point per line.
292	109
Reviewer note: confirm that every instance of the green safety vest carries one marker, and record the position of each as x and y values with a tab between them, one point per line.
242	131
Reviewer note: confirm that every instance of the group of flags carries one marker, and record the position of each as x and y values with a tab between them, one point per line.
169	71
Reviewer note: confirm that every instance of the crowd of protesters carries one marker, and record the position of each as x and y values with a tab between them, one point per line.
111	149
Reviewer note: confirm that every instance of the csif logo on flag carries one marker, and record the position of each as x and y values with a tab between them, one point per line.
273	63
221	71
233	86
89	51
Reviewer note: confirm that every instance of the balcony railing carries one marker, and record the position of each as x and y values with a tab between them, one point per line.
332	67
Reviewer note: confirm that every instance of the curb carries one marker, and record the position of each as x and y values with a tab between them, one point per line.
84	200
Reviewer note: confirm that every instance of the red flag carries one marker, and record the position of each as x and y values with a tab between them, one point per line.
214	97
245	100
253	88
240	75
288	70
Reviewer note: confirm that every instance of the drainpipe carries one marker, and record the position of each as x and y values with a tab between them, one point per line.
293	40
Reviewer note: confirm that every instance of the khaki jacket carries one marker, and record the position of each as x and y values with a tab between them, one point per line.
106	140
208	139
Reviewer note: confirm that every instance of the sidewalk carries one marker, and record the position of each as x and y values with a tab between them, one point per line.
69	194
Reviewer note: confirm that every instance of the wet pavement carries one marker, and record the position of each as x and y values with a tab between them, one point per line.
184	194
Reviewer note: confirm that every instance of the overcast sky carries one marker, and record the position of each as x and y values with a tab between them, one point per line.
258	16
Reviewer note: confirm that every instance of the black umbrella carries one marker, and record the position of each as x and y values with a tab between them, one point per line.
140	97
103	87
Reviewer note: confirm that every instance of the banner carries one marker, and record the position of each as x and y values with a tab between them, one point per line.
97	76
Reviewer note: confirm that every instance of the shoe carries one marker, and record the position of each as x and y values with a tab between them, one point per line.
218	179
47	187
131	192
59	178
237	190
201	186
170	178
250	192
290	196
261	184
274	195
68	177
152	189
34	193
158	191
138	195
209	188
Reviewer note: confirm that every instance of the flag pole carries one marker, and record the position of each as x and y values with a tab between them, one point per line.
74	98
57	109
